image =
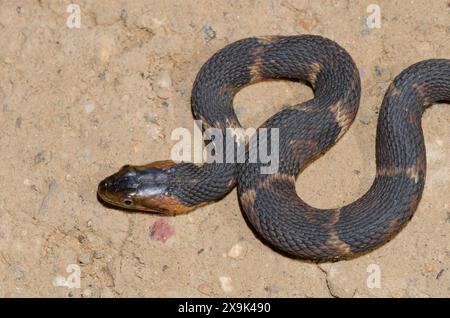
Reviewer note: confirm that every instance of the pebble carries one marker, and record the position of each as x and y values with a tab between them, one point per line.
163	80
439	275
99	254
337	286
236	251
19	274
364	119
208	33
308	23
88	107
378	70
151	118
225	284
205	289
84	258
82	238
155	131
40	157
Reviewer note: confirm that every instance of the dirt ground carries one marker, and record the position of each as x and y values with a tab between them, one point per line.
78	103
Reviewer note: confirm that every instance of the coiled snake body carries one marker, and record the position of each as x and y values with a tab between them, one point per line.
306	130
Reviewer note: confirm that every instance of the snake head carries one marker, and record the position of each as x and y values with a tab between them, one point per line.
144	188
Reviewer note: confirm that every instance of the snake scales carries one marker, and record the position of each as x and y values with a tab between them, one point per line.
306	130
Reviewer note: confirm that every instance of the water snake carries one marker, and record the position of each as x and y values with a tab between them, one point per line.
306	130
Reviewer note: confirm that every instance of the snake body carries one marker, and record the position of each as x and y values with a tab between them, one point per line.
306	130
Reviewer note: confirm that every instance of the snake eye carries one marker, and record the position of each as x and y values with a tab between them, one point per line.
127	201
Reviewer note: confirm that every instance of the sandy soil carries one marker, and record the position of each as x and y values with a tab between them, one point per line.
76	104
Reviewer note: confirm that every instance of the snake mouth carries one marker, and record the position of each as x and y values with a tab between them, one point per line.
123	201
104	197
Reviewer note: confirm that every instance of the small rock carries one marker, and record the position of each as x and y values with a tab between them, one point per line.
151	118
18	122
364	119
88	107
161	230
165	267
40	157
84	259
82	238
378	70
236	251
308	23
337	285
19	274
205	289
164	80
439	275
429	268
225	284
99	254
165	104
208	33
155	132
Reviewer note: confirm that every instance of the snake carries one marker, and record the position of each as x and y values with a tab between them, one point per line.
269	201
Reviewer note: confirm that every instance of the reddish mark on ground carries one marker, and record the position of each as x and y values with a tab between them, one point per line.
161	230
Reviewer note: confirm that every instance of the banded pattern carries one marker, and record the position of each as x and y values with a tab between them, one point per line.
306	131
